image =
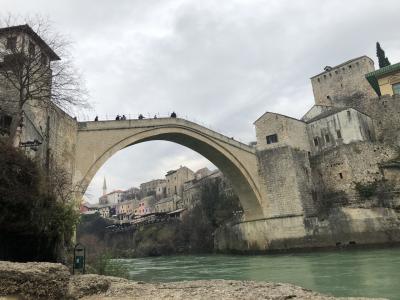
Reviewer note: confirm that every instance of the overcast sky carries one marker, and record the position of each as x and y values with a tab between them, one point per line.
220	63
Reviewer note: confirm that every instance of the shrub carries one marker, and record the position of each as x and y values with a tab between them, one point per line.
30	213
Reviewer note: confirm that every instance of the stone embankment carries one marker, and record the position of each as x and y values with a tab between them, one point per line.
53	281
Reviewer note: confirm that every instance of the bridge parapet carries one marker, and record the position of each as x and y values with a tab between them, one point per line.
161	122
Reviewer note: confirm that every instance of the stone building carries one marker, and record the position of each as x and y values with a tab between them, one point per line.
168	204
175	180
385	81
203	172
155	187
192	190
131	194
46	132
339	82
126	209
112	198
340	143
146	205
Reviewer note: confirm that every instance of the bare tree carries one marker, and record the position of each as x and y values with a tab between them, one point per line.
32	72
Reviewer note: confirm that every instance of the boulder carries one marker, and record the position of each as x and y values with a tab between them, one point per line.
34	280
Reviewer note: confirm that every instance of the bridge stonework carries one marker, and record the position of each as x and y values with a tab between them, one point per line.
266	182
98	141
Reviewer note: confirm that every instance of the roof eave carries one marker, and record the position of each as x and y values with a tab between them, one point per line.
28	30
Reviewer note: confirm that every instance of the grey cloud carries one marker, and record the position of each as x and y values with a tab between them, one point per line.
223	63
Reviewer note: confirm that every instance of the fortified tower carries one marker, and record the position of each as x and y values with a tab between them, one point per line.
336	86
43	130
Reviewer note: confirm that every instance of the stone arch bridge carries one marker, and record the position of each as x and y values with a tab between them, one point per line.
98	141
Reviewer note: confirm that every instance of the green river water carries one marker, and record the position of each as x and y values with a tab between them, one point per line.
367	272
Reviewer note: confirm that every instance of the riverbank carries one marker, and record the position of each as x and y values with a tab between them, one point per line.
199	289
53	281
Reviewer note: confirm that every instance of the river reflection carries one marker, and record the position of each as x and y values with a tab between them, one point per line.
368	273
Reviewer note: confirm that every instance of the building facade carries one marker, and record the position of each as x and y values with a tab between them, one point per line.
146	205
112	198
168	204
175	180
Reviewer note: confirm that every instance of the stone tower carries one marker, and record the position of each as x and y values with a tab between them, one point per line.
336	86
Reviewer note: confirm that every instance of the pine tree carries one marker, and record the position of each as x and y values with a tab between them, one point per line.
382	59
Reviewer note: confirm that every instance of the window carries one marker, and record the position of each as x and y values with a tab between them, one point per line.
339	134
273	138
43	59
11	43
396	88
349	115
5	123
341	175
327	139
316	141
31	49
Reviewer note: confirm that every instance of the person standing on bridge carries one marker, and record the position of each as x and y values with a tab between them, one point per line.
123	117
173	115
96	119
140	117
117	118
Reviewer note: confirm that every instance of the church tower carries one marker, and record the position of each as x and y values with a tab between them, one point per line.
104	187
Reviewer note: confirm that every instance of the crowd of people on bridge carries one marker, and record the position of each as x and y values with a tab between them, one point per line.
140	117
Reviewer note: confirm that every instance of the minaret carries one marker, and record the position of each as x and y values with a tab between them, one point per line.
104	187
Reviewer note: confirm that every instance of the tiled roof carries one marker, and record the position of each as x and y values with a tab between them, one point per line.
372	77
328	113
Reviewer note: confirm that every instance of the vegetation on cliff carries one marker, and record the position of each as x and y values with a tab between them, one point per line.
34	223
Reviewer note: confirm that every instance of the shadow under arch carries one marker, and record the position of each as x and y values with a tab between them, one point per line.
242	182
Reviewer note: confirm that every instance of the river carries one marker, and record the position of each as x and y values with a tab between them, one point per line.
366	272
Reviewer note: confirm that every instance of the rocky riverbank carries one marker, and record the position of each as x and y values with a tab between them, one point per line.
53	281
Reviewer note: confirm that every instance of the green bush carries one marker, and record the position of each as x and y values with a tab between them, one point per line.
30	213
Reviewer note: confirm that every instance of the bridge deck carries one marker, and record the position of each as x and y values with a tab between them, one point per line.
160	122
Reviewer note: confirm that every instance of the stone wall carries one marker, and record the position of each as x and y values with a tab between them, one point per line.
344	227
62	133
385	112
285	174
47	123
338	170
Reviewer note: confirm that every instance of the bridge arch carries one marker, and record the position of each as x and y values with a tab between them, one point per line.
98	141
